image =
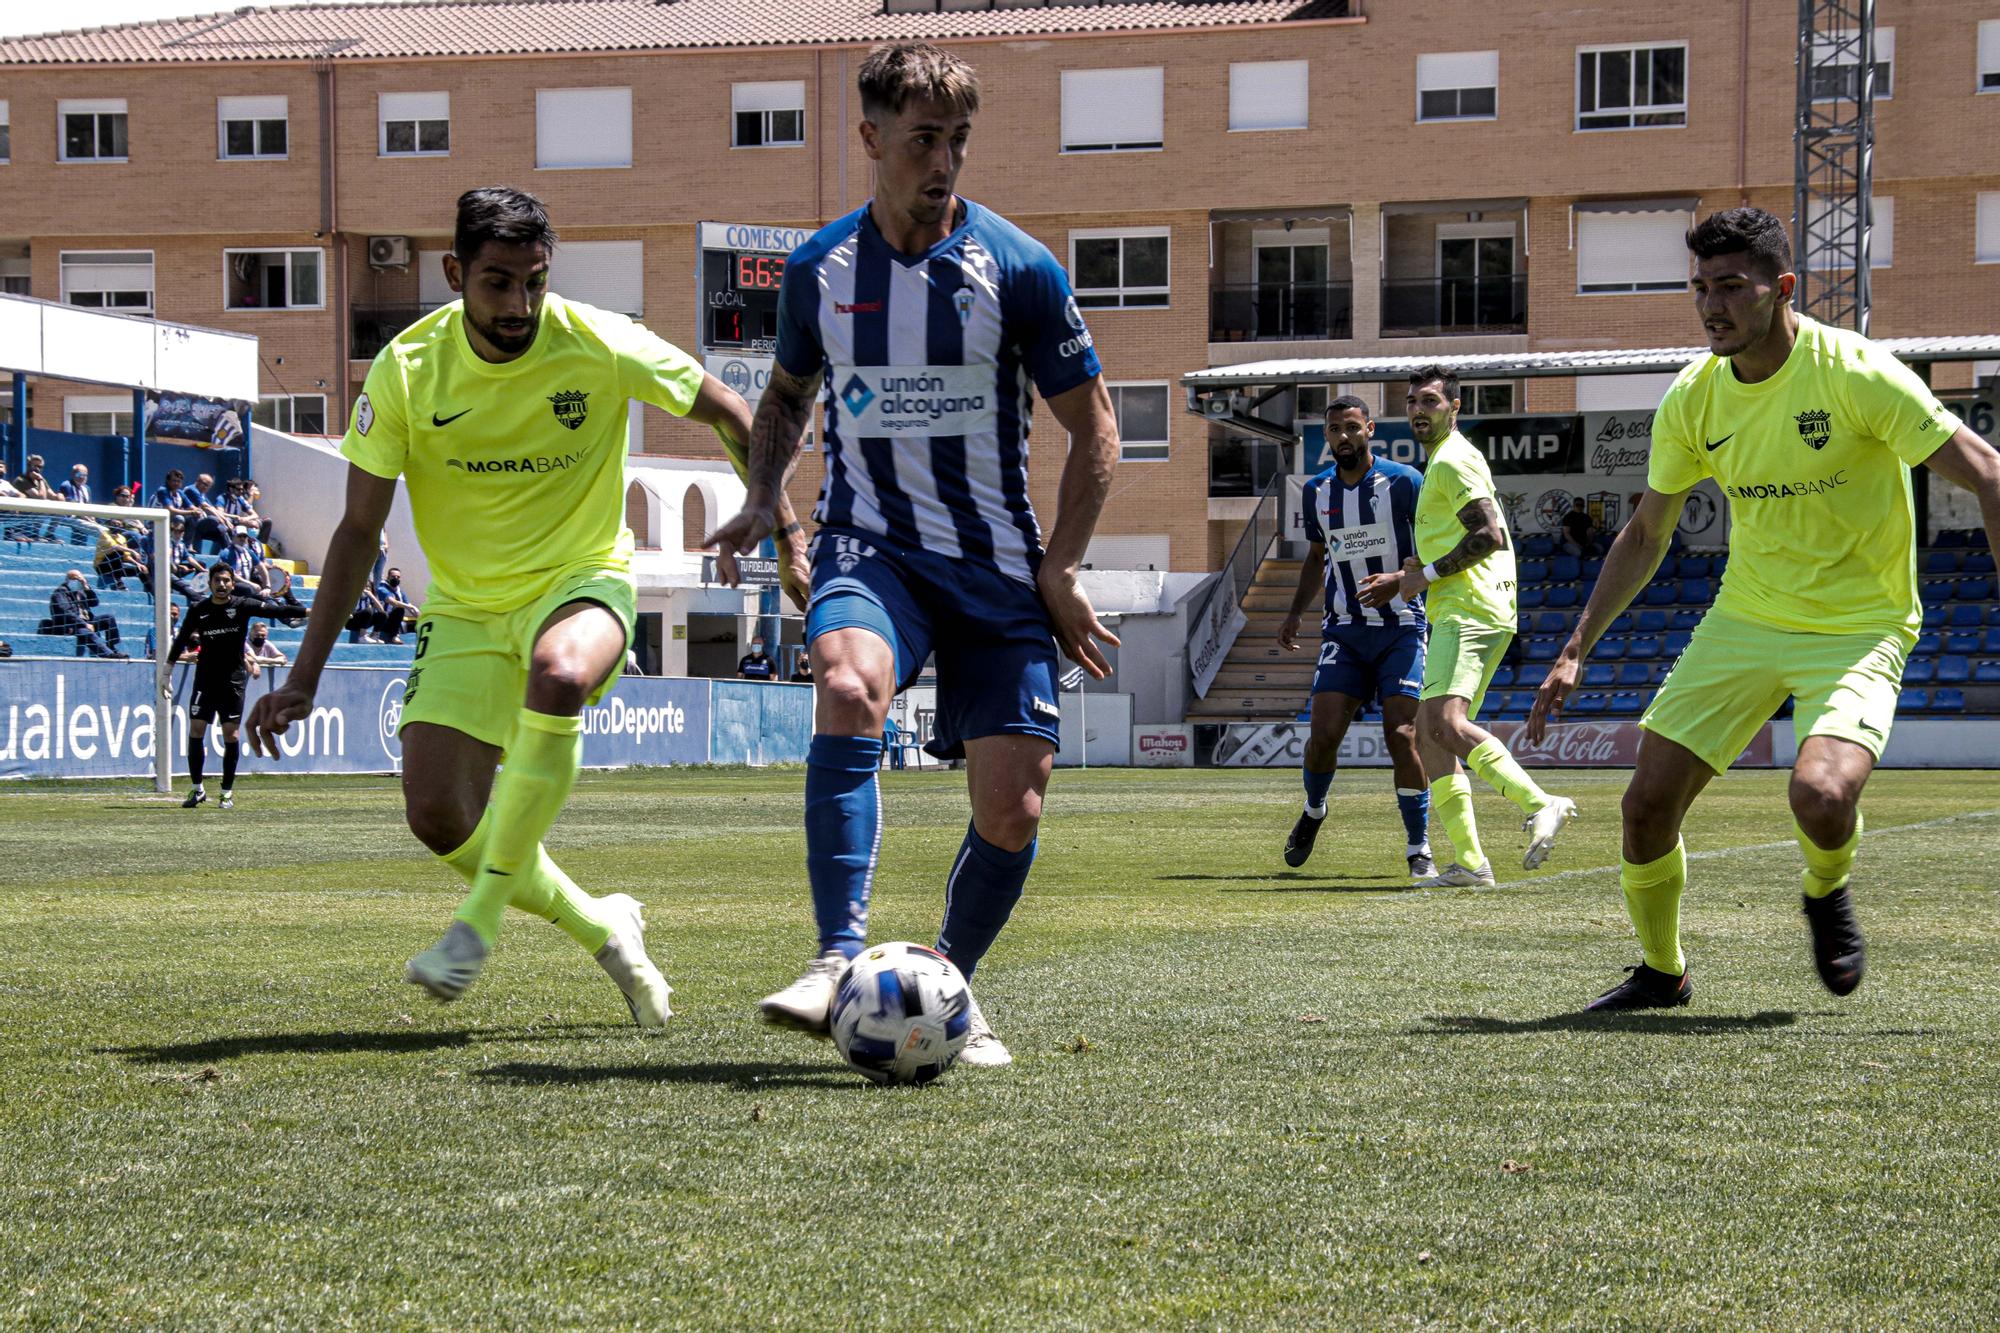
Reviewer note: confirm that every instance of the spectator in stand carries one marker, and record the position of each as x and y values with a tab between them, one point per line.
368	619
381	558
34	486
802	670
115	559
124	498
16	530
187	504
7	490
1580	535
173	628
399	609
183	570
260	651
239	503
756	666
211	504
77	489
71	611
278	579
245	560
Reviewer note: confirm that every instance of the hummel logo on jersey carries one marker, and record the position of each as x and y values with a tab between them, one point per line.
856	395
1044	706
1713	445
569	407
1815	428
437	420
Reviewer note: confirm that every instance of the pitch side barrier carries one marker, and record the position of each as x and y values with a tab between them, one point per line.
91	718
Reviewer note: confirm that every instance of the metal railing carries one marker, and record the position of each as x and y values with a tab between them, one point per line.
1435	307
1220	617
1265	312
371	327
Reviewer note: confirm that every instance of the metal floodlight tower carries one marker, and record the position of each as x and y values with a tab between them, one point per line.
1834	145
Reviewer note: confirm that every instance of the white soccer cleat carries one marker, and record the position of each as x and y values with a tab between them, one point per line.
807	1004
982	1048
228	799
1456	876
449	966
1542	828
624	958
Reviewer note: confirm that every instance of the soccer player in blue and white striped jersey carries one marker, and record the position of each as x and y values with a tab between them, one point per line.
929	320
1360	517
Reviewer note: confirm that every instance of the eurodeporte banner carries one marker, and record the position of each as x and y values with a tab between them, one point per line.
68	718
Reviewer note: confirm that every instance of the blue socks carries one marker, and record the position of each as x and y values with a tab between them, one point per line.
843	836
985	884
1415	803
1317	785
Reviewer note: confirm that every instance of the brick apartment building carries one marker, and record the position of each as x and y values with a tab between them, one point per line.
1227	181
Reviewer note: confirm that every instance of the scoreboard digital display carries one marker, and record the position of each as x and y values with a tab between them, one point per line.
742	268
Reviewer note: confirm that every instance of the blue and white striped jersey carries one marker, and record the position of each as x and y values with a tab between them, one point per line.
928	361
1367	528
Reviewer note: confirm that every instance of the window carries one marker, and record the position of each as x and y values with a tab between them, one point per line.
1458	85
16	277
295	414
768	115
1841	80
1268	95
108	280
92	131
1119	268
1486	398
583	127
1986	245
1989	56
252	127
608	274
1113	110
1881	234
1631	88
272	280
1142	422
98	414
413	124
1631	251
6	135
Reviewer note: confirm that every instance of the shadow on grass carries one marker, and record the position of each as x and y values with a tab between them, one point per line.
1300	884
345	1043
749	1075
1281	875
1688	1025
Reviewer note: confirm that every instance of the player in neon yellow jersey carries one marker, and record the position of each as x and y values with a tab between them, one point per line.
505	415
1811	432
1464	567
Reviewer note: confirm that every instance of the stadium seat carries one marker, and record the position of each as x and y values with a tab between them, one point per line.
1934	591
1644	648
1677	642
1993	642
1660	670
1697	592
1948	701
1920	671
1565	568
1913	701
1652	622
1693	566
1927	644
1973	590
1600	674
1941	562
1503	676
1993	615
1539	546
1592	568
1551	622
1660	594
1588	703
1608	650
1634	673
1954	537
1622	623
1542	650
1531	595
1979	562
1963	642
1533	571
1933	617
1627	701
1522	623
1965	616
1563	594
1986	673
1531	676
1684	620
1953	670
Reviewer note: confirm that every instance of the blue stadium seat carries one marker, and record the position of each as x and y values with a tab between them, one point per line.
1927	644
1660	594
1627	701
1588	703
1697	592
1608	650
1920	671
1979	562
1503	676
1551	622
1933	617
1565	568
1538	546
1954	537
1533	571
1652	622
1937	590
1993	642
1941	562
1965	616
1993	615
1693	566
1634	673
1644	648
1986	673
1953	670
1592	568
1913	701
1531	676
1599	674
1973	590
1677	642
1542	650
1948	701
1622	623
1562	594
1660	670
1684	620
1962	642
1531	595
1519	702
1522	622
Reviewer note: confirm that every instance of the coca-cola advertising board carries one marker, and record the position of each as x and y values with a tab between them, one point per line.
1597	744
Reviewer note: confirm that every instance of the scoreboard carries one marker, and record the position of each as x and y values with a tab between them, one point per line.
740	269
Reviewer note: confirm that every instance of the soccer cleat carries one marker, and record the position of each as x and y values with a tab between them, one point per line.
228	801
982	1048
1421	865
1839	952
449	966
1456	876
1645	988
1299	845
1542	828
807	1004
194	798
624	958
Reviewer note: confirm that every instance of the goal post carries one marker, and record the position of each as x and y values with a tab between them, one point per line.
40	540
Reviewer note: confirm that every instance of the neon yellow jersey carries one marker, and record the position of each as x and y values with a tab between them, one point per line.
1816	464
1484	594
516	471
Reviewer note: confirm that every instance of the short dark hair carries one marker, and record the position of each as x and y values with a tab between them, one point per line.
499	213
1423	375
222	567
1747	231
894	74
1347	402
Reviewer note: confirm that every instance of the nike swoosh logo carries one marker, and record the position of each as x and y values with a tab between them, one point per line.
1711	448
437	420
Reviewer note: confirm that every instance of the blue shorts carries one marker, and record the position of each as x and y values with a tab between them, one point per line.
1371	662
996	654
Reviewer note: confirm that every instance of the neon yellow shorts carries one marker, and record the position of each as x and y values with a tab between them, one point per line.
1460	660
1735	674
471	668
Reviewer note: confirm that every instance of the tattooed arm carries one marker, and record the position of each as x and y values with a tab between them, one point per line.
775	433
1484	534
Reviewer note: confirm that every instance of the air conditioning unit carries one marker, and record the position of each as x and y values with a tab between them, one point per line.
388	252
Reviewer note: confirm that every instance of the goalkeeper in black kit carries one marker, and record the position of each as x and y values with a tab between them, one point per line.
216	627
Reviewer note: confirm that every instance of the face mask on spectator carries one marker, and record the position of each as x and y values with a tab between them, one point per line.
757	648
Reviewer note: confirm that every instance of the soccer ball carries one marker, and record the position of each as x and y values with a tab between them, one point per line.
900	1013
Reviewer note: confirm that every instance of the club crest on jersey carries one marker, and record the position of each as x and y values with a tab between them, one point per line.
962	300
1815	428
848	552
570	408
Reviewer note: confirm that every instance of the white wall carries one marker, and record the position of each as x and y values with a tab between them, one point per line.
304	484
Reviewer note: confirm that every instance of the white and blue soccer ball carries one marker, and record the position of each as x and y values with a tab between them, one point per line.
901	1013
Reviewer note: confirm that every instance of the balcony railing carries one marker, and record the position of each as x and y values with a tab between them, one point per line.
1266	312
374	325
1439	307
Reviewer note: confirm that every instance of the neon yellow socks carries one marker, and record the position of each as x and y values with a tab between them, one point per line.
1490	760
1653	898
1451	802
548	893
1827	871
534	782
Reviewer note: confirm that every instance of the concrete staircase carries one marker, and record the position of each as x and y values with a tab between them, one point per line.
1258	680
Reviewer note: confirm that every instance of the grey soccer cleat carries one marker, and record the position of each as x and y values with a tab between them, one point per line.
449	966
1456	876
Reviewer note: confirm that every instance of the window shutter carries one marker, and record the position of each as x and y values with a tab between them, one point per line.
1268	95
415	106
1458	69
606	274
583	127
1622	249
783	95
1987	247
1102	107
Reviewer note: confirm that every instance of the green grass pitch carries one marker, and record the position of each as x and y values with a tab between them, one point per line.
1243	1097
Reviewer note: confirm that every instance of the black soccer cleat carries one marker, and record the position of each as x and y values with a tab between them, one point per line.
1839	952
1645	988
1300	845
194	798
